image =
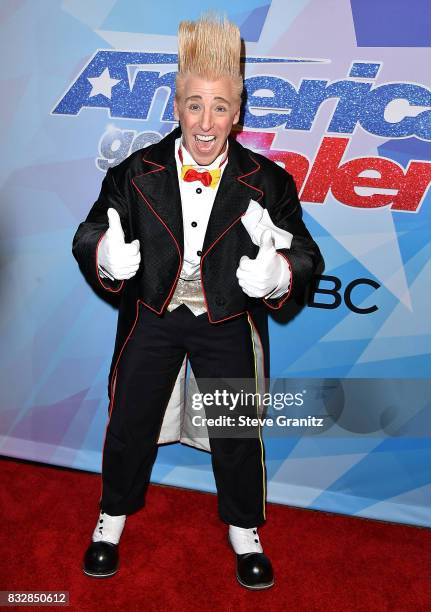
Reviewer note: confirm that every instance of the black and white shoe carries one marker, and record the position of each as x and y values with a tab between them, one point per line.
101	558
253	568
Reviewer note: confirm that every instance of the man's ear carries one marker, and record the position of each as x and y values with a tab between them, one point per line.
176	115
236	116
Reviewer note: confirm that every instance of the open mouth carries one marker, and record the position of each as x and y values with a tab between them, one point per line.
205	143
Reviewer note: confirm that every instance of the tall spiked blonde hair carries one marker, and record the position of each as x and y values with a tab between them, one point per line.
209	48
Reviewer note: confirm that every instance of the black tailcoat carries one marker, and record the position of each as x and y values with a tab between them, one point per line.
144	190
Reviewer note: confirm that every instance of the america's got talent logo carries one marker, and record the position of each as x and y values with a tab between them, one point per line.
128	83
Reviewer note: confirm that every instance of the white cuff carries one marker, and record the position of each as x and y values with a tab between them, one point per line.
104	274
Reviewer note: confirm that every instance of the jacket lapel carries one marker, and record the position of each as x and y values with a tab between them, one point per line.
233	195
158	185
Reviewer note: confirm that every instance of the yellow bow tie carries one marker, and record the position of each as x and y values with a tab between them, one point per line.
208	178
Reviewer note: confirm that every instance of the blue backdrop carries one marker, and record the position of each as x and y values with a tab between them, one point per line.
338	93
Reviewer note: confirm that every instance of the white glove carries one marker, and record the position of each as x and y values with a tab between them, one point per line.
117	259
259	277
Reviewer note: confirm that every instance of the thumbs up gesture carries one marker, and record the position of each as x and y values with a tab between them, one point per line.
259	277
120	260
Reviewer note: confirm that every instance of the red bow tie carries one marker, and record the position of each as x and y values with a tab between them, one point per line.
208	178
193	175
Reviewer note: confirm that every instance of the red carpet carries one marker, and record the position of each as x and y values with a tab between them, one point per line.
174	553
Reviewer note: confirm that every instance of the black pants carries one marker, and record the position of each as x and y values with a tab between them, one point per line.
146	374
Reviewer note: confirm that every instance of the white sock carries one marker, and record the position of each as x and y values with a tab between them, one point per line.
244	540
109	528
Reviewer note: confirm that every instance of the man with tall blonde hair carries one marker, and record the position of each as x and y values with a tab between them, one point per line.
198	234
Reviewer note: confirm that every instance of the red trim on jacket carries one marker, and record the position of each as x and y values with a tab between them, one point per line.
238	178
158	169
202	278
113	386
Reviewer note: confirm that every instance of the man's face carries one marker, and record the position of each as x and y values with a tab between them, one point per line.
207	110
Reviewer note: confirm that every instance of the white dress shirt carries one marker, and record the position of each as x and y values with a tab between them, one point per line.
196	202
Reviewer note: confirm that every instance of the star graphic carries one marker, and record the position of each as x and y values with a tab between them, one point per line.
102	84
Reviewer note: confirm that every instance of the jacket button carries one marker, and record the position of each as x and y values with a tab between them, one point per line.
220	301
